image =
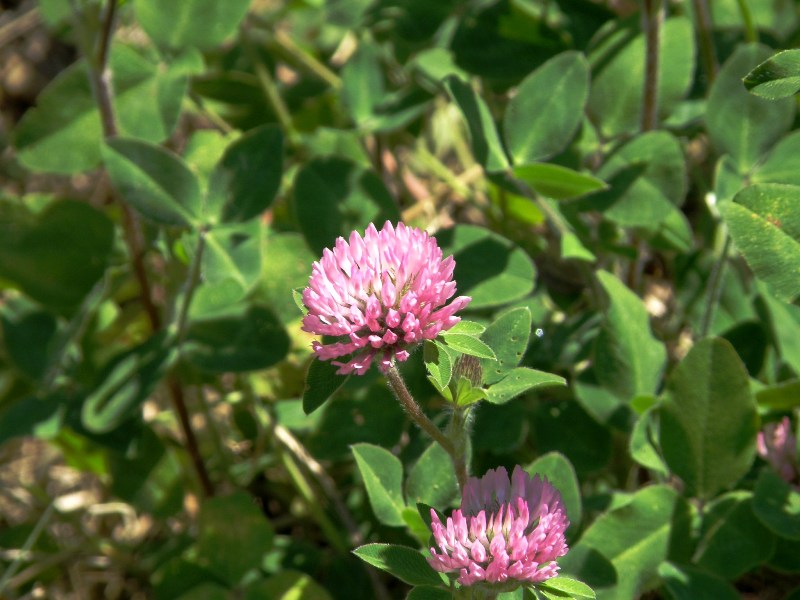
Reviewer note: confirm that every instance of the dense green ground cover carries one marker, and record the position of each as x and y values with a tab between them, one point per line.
623	212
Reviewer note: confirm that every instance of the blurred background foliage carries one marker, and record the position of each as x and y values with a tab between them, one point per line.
171	169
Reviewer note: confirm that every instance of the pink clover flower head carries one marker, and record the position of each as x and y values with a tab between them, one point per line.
778	446
506	532
380	295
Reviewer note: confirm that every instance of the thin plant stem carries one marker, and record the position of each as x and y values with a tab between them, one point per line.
292	445
413	410
715	287
19	26
307	60
189	287
652	18
101	81
210	114
192	447
101	73
750	31
708	54
29	542
293	53
136	247
328	485
287	442
292	463
74	332
269	89
435	166
222	453
303	486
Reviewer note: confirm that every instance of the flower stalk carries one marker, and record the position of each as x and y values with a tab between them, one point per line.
457	432
414	411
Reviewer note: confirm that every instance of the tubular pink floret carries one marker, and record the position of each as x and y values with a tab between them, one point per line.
506	529
379	295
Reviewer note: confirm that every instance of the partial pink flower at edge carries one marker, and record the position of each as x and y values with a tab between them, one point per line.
380	295
506	530
778	446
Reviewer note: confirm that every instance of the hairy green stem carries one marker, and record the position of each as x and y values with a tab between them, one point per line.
413	410
458	432
652	18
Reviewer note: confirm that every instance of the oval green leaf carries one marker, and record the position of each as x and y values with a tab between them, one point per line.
382	473
246	342
486	145
776	503
555	181
403	562
334	196
658	187
560	472
153	180
432	479
765	225
200	23
58	256
777	77
739	123
618	70
467	344
233	536
246	179
709	419
63	133
733	540
628	359
636	537
508	336
322	382
547	108
518	381
489	268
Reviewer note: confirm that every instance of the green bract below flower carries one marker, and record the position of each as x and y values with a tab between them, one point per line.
381	295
